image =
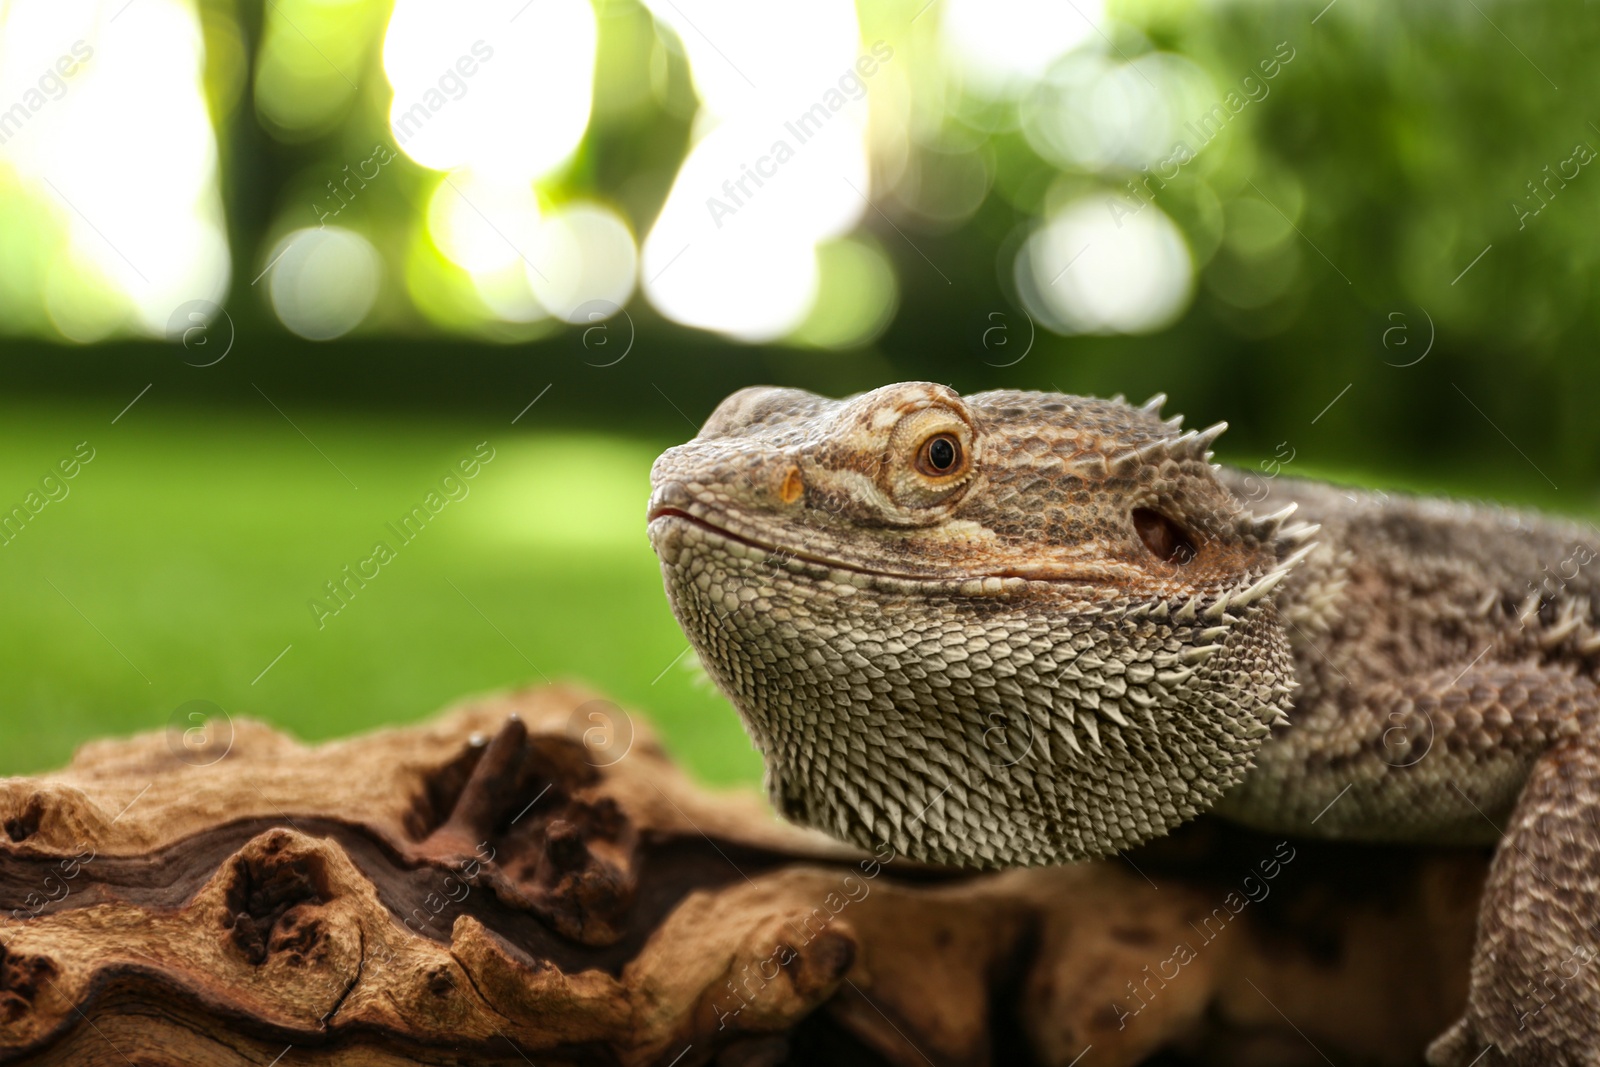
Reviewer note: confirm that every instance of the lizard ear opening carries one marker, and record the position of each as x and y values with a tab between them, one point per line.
1164	538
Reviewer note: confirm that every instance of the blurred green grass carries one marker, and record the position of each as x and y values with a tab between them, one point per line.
184	556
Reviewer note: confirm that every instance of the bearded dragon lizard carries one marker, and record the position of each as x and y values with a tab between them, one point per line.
1023	628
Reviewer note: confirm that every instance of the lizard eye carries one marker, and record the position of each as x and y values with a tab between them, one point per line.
930	457
939	455
1164	538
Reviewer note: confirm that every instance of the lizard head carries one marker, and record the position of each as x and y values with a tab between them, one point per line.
1010	628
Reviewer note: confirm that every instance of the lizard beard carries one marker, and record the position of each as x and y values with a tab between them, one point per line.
992	731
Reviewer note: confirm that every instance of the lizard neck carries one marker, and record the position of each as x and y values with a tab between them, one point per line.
1405	601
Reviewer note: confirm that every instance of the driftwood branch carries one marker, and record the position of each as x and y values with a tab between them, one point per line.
528	879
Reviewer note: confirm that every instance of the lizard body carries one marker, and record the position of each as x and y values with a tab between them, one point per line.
1021	628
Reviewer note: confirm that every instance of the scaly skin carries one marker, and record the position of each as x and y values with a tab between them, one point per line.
1076	635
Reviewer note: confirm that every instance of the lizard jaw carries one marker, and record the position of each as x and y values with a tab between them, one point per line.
660	519
1065	724
1002	581
1007	583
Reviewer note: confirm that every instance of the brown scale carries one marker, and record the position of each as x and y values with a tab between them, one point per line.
1132	645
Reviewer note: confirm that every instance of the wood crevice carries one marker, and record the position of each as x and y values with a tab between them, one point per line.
477	889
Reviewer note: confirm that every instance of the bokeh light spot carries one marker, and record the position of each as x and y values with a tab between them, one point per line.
583	253
323	281
1094	268
1093	112
78	89
1001	46
504	87
483	225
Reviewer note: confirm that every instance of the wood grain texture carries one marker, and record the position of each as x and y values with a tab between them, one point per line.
484	889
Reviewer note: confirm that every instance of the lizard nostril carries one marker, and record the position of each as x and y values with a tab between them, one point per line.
793	486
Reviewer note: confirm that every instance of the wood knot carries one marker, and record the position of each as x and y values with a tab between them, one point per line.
820	962
575	866
565	845
270	896
25	823
441	983
21	976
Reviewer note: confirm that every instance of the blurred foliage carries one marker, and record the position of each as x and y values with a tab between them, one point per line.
1332	223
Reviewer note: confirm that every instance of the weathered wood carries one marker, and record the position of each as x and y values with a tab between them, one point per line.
511	884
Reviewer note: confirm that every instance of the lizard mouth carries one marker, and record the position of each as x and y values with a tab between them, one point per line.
1002	581
667	513
1005	581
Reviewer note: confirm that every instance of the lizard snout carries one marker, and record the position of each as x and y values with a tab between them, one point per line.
709	475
